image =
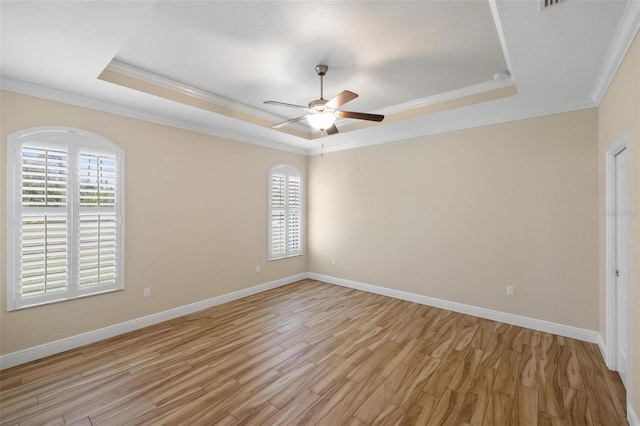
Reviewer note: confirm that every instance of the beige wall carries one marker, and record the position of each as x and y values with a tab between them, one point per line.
456	216
619	112
196	221
459	216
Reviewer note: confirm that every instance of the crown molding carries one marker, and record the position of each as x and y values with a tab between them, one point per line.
447	96
176	86
625	34
499	29
194	92
465	91
461	125
30	89
17	86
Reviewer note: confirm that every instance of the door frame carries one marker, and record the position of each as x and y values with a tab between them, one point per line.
610	234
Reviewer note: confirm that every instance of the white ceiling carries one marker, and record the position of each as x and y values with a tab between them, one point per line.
396	55
249	52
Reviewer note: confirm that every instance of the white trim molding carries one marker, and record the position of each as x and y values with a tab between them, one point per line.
52	348
194	92
610	267
72	342
604	351
625	34
69	98
447	96
503	39
472	122
513	319
632	417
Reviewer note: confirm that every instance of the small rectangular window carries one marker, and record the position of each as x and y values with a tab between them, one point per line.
285	212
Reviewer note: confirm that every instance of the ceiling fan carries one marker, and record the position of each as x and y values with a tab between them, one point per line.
322	113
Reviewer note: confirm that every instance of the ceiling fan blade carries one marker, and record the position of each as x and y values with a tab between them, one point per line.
341	99
360	115
332	130
284	123
284	104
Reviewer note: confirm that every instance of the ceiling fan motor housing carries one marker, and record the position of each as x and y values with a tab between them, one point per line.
319	106
322	69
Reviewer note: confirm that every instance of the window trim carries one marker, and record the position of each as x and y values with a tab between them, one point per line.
73	140
287	170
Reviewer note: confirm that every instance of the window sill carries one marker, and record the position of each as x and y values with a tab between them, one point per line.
68	299
285	257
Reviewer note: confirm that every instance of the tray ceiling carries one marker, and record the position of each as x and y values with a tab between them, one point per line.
209	65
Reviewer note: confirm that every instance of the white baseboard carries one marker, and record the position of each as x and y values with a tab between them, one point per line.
632	417
521	321
52	348
603	350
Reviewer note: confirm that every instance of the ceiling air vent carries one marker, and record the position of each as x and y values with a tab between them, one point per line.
546	4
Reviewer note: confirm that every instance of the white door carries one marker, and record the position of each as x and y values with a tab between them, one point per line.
622	263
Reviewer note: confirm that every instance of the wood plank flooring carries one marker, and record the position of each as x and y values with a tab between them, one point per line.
314	353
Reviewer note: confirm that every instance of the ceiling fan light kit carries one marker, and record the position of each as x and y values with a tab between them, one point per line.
322	113
322	120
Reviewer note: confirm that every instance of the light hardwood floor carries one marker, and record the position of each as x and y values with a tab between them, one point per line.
314	353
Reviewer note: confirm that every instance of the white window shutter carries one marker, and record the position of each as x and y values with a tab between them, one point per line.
278	221
66	216
44	177
44	250
294	223
96	250
293	232
44	254
97	227
285	212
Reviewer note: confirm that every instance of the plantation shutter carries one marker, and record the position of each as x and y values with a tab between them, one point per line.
44	249
293	215
97	229
285	212
65	227
278	221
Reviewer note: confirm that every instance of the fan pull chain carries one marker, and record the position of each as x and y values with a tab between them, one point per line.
322	151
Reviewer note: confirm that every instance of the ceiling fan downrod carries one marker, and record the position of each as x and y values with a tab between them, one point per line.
322	70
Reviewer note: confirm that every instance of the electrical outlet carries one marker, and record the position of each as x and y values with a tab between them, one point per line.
257	268
333	262
511	290
147	292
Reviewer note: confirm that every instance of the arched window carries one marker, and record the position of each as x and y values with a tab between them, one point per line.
285	212
65	216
